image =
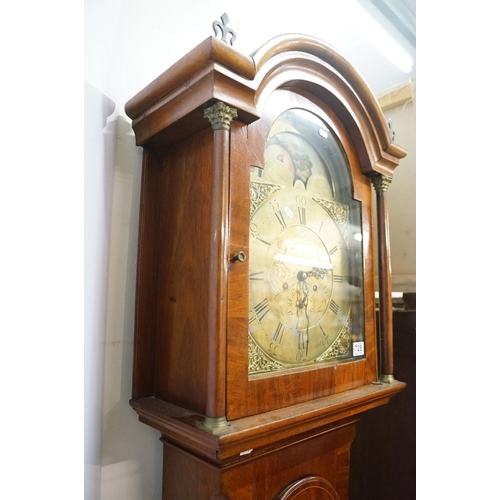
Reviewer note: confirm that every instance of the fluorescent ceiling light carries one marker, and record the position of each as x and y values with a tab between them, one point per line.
378	36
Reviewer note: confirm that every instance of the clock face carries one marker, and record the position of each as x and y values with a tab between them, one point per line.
302	295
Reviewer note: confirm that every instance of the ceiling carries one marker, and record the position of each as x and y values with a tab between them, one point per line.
339	23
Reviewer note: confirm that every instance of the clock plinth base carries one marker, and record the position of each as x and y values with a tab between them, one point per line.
326	453
288	444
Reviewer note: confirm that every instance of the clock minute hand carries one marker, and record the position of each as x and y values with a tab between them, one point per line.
302	291
302	303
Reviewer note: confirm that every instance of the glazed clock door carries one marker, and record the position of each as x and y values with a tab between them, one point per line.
305	289
305	325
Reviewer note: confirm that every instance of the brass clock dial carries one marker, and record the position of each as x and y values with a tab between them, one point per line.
299	294
300	291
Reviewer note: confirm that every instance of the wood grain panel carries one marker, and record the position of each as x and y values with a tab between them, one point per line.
186	477
186	292
325	455
146	292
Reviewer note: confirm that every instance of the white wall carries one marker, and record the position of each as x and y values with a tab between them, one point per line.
99	153
122	456
125	48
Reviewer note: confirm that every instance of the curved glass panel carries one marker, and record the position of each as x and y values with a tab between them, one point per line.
306	302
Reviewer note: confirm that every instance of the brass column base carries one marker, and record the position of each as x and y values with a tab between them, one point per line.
214	424
386	379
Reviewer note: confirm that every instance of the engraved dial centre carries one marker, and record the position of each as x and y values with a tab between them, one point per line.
300	273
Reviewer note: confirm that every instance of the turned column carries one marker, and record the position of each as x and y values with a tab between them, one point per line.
220	116
386	370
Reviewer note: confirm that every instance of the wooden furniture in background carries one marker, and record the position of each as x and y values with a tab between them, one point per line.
383	455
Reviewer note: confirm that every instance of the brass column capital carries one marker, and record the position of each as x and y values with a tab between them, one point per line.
381	183
220	116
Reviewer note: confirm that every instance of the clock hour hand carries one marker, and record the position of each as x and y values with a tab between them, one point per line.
317	272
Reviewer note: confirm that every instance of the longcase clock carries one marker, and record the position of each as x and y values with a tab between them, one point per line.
256	348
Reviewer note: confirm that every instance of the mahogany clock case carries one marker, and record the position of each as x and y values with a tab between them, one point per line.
203	125
191	345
